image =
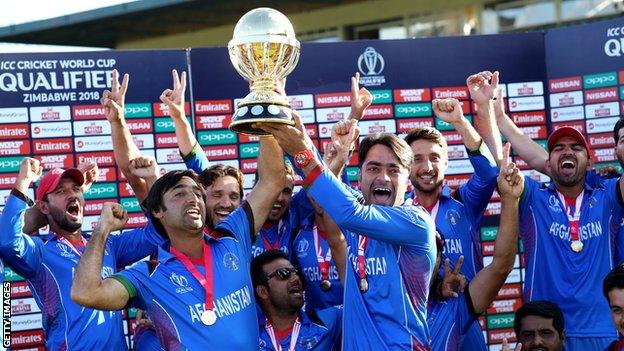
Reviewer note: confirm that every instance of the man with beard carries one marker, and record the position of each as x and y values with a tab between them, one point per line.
48	264
572	225
613	291
539	325
283	325
390	245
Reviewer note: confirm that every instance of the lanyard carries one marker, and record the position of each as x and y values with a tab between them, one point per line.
361	262
275	245
433	212
209	316
323	262
574	215
293	336
71	246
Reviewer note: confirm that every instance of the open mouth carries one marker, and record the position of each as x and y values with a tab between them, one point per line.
381	194
193	212
568	164
427	178
73	211
222	213
296	290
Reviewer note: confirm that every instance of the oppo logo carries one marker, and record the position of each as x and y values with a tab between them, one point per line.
381	95
102	190
250	149
413	109
600	80
164	124
500	321
9	164
217	137
137	109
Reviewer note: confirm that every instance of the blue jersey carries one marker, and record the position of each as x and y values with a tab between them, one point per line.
449	319
196	159
146	340
304	255
49	265
175	300
320	335
573	280
400	256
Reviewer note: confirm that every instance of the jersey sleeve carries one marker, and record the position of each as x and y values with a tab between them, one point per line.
402	225
465	312
135	244
239	224
23	253
332	319
196	159
136	279
476	193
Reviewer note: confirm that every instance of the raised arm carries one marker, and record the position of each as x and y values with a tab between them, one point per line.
482	87
343	137
88	289
361	98
449	111
486	284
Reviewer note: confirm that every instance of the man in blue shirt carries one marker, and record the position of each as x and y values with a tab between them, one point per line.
391	246
283	324
200	294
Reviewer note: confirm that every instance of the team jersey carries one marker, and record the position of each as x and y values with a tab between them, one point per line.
196	159
145	339
572	280
398	258
49	265
319	335
449	319
175	300
304	255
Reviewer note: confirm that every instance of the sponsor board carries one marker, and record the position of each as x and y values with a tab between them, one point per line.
221	152
333	99
504	306
621	92
53	146
104	158
606	109
520	163
13	115
249	180
136	220
138	110
101	191
299	102
324	115
352	173
171	155
526	103
535	132
379	126
163	125
14	131
166	140
89	222
211	107
621	75
603	155
26	322
311	130
493	209
381	96
600	80
324	130
600	125
93	143
50	130
455	181
161	109
497	336
455	152
601	95
601	140
143	141
452	137
243	138
249	165
459	93
412	110
379	111
97	127
500	321
7	180
249	150
106	174
15	147
528	118
28	338
4	194
85	112
50	113
442	125
509	291
56	161
525	89
212	122
487	248
578	125
307	116
24	306
93	207
216	137
406	125
459	167
567	113
535	175
11	276
20	290
566	99
412	95
125	190
145	125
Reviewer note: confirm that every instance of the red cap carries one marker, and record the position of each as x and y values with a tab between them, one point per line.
52	178
567	132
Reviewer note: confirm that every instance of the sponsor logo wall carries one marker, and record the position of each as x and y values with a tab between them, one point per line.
53	113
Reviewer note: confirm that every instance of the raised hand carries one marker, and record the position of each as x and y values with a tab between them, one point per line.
510	180
91	172
114	100
113	217
174	98
499	104
291	139
144	167
482	86
30	170
448	110
453	281
344	134
506	346
361	98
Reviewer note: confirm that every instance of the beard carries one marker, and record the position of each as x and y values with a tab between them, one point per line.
58	217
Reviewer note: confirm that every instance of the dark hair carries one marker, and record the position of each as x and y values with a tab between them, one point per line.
154	201
400	148
426	133
209	175
616	129
540	308
613	280
257	266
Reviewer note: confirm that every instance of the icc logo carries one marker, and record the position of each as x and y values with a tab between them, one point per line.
181	282
302	248
65	251
553	203
371	62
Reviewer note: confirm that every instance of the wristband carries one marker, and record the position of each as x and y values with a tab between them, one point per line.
311	177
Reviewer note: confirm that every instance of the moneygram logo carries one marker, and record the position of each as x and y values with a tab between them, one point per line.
600	80
13	115
371	64
412	110
100	191
218	137
138	110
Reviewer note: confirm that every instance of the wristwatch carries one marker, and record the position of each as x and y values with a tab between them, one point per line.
303	158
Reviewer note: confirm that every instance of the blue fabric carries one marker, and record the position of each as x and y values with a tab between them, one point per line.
448	320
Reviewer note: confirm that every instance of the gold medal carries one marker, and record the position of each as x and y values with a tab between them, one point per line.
208	317
577	246
325	285
363	285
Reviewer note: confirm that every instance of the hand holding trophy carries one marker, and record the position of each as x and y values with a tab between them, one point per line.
263	50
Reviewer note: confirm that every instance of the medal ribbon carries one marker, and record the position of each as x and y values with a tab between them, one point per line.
433	212
275	245
71	246
293	336
323	262
573	213
361	261
206	282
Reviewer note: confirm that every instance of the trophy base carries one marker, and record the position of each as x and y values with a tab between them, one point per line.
246	116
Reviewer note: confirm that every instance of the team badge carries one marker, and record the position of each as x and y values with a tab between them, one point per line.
65	251
231	262
453	217
302	247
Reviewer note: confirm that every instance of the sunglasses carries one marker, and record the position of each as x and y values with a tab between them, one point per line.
282	273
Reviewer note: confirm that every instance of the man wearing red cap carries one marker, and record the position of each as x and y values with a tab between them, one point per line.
570	226
48	263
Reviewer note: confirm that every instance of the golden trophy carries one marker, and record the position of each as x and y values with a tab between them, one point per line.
263	50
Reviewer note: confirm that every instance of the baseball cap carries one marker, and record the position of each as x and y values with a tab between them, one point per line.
567	132
52	178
